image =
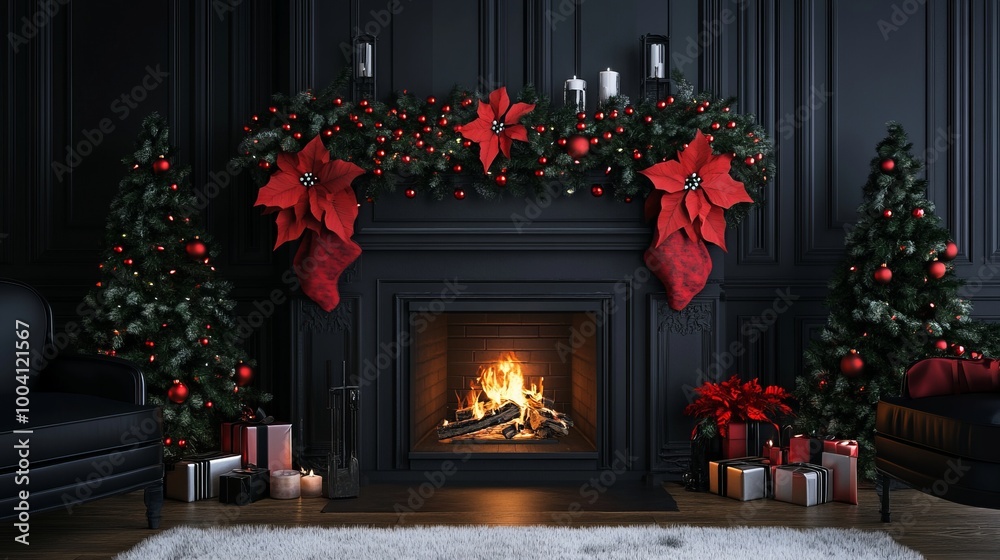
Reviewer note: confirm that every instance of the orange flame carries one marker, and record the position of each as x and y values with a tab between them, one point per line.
501	383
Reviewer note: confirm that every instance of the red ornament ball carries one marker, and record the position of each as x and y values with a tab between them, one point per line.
119	249
182	443
852	364
958	349
749	161
887	165
149	344
244	374
597	190
950	251
887	213
161	166
578	147
410	193
941	344
196	249
178	392
168	441
459	194
204	341
918	212
976	355
937	270
501	180
539	173
883	275
128	262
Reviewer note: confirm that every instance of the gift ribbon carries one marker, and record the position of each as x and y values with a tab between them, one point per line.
723	465
823	487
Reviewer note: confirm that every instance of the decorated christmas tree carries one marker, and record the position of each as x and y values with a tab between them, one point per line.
893	300
159	305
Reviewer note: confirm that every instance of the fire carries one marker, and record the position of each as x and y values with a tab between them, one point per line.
501	383
511	408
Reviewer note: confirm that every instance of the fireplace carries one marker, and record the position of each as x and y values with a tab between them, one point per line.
446	288
552	350
505	382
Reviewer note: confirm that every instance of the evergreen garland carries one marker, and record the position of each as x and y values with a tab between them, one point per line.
417	142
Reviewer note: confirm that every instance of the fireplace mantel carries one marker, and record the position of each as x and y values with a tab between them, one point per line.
509	250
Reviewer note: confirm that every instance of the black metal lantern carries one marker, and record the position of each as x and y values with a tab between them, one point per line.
655	67
363	47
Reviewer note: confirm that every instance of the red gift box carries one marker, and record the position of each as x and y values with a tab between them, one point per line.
264	445
841	456
735	443
805	449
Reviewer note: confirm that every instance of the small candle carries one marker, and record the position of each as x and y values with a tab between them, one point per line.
285	484
609	85
575	94
657	61
312	485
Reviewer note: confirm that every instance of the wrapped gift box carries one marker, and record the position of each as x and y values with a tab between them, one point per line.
805	449
244	486
267	445
197	477
744	479
841	456
802	484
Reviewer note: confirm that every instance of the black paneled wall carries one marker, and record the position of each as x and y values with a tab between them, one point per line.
822	75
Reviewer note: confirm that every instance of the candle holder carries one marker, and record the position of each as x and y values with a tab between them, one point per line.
654	51
363	77
575	94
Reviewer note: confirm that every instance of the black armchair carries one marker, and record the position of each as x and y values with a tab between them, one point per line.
78	425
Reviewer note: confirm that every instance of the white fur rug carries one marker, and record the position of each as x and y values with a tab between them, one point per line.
242	542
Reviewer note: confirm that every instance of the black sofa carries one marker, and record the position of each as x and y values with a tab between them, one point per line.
942	436
84	430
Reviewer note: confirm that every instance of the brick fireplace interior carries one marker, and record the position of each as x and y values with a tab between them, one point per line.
557	351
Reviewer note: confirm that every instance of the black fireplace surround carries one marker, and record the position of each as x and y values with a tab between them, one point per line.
551	278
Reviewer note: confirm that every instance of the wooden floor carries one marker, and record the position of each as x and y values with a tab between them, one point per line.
936	528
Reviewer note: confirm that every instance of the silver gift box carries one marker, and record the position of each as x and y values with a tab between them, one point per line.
197	478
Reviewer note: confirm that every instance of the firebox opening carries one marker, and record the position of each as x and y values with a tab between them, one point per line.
504	382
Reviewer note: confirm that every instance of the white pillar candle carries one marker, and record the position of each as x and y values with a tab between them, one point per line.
285	484
657	60
312	485
609	85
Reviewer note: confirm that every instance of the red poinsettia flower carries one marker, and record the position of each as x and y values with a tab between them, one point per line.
694	190
732	401
497	126
311	192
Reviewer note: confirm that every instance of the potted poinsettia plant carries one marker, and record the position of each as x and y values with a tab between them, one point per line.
724	408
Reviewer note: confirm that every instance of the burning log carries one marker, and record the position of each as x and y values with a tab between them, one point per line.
509	431
505	413
463	414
